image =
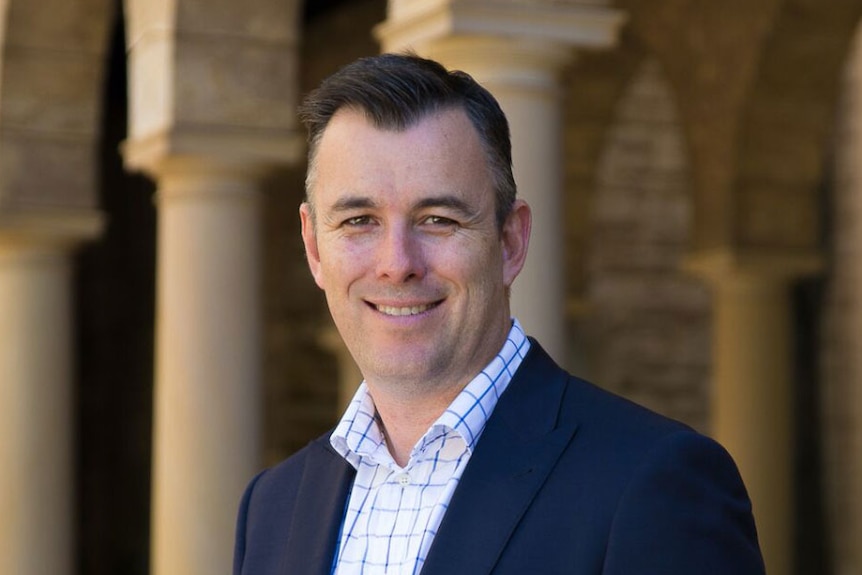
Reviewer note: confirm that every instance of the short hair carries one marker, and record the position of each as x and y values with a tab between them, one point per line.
398	90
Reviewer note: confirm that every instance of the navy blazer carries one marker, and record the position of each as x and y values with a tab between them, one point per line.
566	478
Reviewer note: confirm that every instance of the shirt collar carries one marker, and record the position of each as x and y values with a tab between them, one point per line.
358	433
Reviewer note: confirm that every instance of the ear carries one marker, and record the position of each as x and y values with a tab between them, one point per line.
515	240
309	238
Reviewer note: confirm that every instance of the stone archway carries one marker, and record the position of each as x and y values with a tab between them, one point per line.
756	83
648	320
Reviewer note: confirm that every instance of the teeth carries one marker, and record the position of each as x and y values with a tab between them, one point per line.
389	310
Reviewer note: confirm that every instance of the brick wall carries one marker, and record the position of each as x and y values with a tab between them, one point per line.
841	328
647	325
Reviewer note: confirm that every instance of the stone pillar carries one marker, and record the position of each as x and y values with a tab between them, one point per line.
517	52
208	397
841	349
36	371
752	392
211	113
207	404
752	401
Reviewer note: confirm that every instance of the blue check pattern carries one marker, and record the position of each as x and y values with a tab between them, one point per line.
393	513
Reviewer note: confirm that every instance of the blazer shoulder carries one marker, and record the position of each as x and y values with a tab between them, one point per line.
660	497
592	407
617	438
281	481
282	504
598	406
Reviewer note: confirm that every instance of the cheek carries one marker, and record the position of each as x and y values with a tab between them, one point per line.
340	265
480	274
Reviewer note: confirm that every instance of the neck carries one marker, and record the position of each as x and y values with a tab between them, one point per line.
405	420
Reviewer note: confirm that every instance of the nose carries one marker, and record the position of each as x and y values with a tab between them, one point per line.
399	257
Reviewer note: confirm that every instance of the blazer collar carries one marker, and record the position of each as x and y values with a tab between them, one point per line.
318	512
522	442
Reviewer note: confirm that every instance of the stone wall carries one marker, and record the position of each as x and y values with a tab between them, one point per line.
840	366
646	324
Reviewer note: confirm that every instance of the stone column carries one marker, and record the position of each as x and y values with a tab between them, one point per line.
211	114
36	371
752	391
752	401
841	350
208	400
517	52
207	403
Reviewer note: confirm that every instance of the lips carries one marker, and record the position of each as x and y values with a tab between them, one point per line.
404	311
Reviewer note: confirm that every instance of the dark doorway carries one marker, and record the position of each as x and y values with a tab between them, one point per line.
115	285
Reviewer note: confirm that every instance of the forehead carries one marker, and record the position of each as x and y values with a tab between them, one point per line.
440	153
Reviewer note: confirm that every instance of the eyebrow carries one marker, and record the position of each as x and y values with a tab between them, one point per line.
352	203
445	201
451	202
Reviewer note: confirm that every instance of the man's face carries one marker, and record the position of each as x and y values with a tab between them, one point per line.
405	244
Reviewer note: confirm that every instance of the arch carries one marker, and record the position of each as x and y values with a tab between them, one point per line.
52	76
756	83
709	52
648	321
591	89
786	124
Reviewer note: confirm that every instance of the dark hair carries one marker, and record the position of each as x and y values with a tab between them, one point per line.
396	91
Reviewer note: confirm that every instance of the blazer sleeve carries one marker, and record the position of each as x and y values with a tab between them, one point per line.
241	526
685	510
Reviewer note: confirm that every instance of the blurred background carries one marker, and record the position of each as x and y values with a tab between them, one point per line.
695	171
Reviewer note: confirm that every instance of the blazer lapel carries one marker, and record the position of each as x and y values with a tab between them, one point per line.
521	443
317	516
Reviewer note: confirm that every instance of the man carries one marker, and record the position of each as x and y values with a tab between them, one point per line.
466	450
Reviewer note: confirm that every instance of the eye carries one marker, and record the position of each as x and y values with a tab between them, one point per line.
439	221
357	221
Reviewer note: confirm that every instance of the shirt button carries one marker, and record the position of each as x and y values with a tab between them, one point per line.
403	479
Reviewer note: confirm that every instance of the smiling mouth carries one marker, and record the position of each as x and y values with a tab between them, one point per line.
404	311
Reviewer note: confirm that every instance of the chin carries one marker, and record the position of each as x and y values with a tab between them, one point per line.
403	367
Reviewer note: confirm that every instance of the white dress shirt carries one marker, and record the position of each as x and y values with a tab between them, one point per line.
393	513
